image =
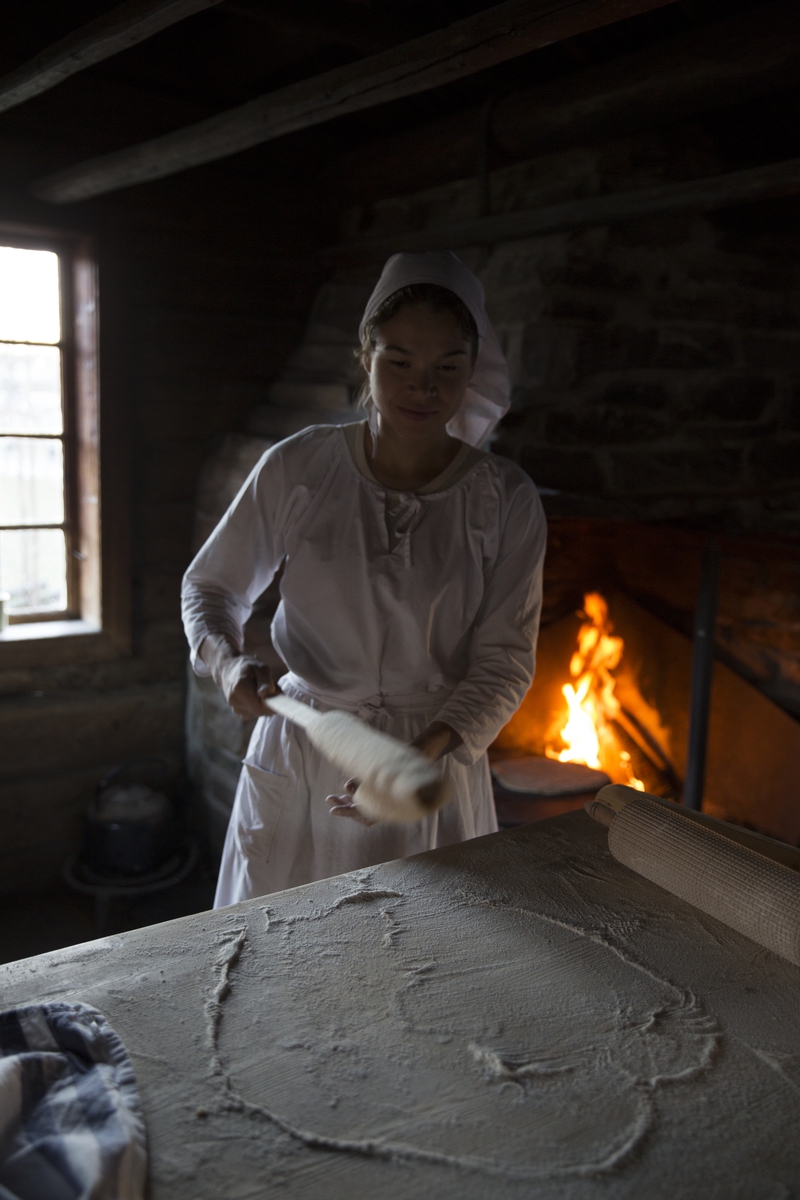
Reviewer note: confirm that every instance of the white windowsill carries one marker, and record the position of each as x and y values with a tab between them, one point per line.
34	631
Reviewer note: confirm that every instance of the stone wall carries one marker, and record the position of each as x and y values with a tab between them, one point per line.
656	364
656	387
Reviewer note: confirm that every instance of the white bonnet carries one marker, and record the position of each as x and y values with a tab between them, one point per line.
487	396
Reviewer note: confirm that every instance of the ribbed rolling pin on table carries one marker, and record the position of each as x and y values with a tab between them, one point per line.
749	881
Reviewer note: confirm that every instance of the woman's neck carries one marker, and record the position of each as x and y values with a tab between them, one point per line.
404	465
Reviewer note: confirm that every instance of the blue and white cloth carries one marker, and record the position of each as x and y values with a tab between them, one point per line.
71	1125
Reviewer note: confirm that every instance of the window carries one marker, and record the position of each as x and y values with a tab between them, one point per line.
50	546
35	527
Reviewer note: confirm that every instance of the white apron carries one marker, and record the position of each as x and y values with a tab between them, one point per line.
281	832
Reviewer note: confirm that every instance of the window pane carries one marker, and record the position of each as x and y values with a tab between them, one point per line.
33	569
29	307
31	481
30	389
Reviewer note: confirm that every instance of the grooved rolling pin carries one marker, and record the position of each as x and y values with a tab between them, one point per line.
749	882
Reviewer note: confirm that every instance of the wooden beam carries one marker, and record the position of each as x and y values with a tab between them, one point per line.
490	37
738	187
708	68
337	25
702	70
115	31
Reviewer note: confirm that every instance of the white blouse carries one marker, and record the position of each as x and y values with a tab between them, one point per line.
386	597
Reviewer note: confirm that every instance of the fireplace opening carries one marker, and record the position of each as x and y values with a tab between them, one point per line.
597	728
611	697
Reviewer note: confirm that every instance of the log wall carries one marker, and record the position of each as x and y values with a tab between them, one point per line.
656	362
211	280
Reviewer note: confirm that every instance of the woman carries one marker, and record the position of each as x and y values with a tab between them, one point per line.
410	593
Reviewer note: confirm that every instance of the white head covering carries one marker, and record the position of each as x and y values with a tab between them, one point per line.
487	396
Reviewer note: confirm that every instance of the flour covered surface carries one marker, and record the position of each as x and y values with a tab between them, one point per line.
511	1017
517	1048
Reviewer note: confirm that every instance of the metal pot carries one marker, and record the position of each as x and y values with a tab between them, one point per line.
130	826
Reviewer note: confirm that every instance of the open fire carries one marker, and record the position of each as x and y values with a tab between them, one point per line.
588	735
611	693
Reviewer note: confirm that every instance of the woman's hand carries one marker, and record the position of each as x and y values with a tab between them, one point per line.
244	680
434	742
345	805
437	740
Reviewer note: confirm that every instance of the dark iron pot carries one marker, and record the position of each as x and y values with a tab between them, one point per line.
129	826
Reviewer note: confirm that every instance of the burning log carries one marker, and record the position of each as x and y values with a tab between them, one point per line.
637	740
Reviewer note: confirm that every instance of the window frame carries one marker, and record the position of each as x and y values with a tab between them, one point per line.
68	436
96	624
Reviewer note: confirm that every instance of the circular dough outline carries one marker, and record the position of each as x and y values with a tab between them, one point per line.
699	1025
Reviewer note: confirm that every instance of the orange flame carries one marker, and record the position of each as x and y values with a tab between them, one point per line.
587	734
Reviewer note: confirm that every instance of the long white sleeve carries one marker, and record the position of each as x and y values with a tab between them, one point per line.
239	560
503	645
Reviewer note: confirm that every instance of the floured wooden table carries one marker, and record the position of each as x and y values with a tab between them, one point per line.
512	1017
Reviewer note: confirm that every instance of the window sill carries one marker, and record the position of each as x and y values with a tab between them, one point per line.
32	631
53	643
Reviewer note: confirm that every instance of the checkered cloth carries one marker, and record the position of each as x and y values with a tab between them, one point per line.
71	1126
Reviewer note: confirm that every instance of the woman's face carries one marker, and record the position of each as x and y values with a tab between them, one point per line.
419	371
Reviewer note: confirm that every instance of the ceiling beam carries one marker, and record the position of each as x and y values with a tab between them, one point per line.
717	191
337	25
708	68
114	31
490	37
